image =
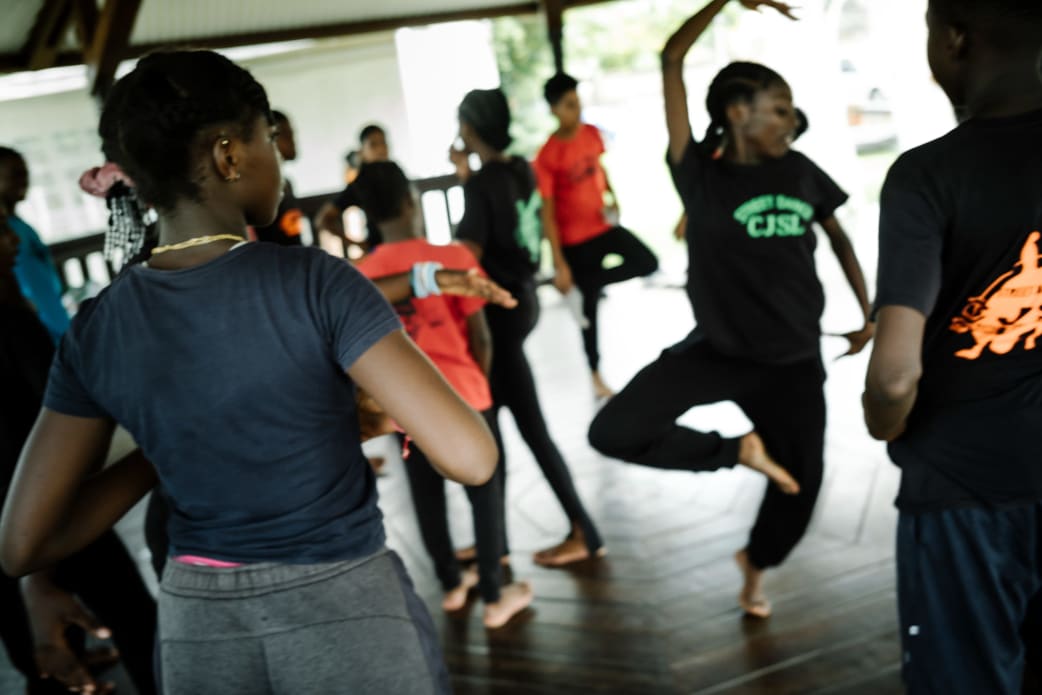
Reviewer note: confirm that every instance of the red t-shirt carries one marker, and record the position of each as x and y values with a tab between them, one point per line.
570	172
437	324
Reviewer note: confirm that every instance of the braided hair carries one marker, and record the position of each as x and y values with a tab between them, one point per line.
155	123
738	82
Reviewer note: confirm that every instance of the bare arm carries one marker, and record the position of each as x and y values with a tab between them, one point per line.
58	502
480	340
894	371
562	271
412	391
678	122
463	283
330	217
844	251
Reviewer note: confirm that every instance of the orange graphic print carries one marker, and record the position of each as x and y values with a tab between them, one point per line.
1010	309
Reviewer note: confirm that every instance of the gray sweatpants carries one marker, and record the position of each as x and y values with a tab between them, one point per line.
260	629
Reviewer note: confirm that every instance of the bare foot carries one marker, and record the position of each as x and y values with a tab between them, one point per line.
752	599
600	389
457	598
752	453
513	598
571	549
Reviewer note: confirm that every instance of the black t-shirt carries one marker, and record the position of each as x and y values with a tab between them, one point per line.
26	350
959	242
285	230
502	216
752	281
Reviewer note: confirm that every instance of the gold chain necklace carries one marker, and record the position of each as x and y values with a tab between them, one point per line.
197	241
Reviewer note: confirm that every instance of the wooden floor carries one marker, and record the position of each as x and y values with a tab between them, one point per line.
658	615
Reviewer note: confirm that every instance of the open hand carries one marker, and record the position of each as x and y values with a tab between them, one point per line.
858	339
51	612
471	283
781	7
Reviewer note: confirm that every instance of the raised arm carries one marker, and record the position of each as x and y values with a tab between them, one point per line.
412	391
678	123
58	502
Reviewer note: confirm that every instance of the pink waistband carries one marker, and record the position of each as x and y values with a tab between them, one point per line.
205	562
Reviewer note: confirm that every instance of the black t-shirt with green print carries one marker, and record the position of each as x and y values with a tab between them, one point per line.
752	281
501	215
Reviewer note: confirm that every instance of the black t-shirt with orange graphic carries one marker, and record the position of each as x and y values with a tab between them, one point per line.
752	280
285	230
960	242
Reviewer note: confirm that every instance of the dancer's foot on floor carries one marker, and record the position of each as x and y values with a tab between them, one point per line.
752	599
600	389
753	453
456	599
513	598
571	549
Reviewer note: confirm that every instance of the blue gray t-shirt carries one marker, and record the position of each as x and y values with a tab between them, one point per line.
230	376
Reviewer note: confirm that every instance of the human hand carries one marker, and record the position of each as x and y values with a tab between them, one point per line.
563	277
457	156
781	7
471	283
857	339
51	612
680	231
373	421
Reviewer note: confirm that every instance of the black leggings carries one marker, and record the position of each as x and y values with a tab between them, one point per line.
106	579
587	263
786	404
513	387
486	502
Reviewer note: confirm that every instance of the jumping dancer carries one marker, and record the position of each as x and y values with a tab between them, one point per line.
751	203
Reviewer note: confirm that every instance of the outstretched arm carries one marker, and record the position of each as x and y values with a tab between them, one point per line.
894	371
844	251
462	283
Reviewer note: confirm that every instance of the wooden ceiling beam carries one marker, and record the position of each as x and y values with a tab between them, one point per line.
110	44
45	38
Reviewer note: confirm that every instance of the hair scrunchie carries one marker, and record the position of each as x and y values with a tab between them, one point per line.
98	181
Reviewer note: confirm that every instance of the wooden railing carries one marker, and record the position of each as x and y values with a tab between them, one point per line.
81	261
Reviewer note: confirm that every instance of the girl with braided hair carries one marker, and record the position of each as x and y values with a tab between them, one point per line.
750	202
278	580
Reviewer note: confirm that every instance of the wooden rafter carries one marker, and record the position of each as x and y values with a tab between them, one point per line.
45	38
110	43
86	12
555	30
